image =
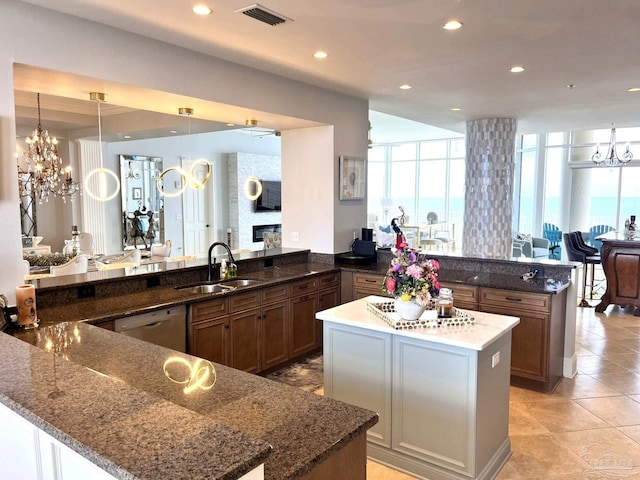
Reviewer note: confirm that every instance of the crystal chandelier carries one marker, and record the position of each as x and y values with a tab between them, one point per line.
44	174
612	159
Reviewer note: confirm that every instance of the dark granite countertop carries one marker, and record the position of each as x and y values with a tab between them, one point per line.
118	408
98	310
504	281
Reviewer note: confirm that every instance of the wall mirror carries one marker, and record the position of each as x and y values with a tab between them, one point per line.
142	207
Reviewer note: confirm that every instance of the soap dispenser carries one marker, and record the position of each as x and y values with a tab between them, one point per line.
223	269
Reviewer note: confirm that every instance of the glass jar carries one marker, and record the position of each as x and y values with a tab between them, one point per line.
445	303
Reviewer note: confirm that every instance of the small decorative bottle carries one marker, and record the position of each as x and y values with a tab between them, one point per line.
75	240
632	226
445	303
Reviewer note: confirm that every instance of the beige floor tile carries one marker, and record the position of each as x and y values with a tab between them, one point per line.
542	456
603	347
630	361
562	415
377	471
584	386
616	411
630	343
591	445
591	364
519	395
522	423
632	431
626	382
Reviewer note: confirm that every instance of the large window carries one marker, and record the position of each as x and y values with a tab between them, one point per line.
422	177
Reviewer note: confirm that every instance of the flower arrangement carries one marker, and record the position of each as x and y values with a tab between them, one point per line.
412	276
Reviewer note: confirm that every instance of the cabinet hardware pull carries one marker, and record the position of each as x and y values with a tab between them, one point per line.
369	280
514	299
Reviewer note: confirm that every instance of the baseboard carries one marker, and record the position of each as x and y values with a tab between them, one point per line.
570	366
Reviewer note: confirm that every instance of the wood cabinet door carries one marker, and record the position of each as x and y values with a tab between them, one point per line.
275	334
327	298
529	342
210	339
302	324
244	328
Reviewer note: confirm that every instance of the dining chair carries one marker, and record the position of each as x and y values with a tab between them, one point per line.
163	250
596	231
85	243
78	264
552	233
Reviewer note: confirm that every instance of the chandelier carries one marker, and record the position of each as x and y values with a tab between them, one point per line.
612	159
44	174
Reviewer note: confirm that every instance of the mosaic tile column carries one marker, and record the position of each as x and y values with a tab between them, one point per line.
488	199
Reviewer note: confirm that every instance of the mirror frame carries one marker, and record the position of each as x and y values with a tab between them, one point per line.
142	205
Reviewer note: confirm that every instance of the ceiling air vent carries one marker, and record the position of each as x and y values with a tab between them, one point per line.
263	14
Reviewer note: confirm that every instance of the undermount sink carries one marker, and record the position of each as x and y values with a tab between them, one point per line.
208	288
240	282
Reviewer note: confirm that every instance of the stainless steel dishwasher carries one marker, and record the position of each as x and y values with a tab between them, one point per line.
166	327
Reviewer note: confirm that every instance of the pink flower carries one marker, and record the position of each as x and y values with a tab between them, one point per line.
414	271
391	284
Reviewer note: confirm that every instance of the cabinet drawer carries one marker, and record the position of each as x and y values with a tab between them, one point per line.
275	294
531	301
244	301
462	293
306	286
208	310
368	282
329	280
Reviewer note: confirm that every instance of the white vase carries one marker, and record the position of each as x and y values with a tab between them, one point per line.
408	310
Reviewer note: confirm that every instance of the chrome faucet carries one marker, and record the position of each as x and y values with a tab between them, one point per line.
210	268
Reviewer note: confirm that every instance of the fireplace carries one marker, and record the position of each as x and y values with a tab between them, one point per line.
258	230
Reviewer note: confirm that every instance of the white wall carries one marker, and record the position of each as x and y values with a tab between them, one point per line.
64	43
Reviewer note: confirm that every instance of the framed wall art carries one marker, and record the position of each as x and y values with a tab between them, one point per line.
353	178
136	193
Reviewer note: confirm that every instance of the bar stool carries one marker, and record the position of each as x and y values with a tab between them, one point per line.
577	253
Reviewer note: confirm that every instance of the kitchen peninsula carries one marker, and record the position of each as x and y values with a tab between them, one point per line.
119	403
442	393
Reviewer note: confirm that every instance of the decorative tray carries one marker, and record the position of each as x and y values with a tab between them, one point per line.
429	319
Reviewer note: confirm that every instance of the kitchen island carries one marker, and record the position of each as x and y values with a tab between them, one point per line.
442	393
118	402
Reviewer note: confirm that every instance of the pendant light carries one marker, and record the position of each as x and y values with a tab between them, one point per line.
101	174
189	178
252	186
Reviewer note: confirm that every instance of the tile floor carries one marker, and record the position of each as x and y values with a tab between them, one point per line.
589	428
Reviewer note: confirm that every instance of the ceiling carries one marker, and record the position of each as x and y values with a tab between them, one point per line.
374	46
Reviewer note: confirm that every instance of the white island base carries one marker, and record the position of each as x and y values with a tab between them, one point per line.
442	394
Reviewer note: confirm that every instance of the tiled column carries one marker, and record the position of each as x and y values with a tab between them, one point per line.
488	199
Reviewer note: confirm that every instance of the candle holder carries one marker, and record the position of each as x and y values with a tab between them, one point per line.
26	306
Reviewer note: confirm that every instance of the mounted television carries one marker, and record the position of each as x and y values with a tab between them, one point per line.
270	198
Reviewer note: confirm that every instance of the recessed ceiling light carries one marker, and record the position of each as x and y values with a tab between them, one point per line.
571	86
201	10
405	87
452	25
173	131
634	89
320	55
456	109
517	69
